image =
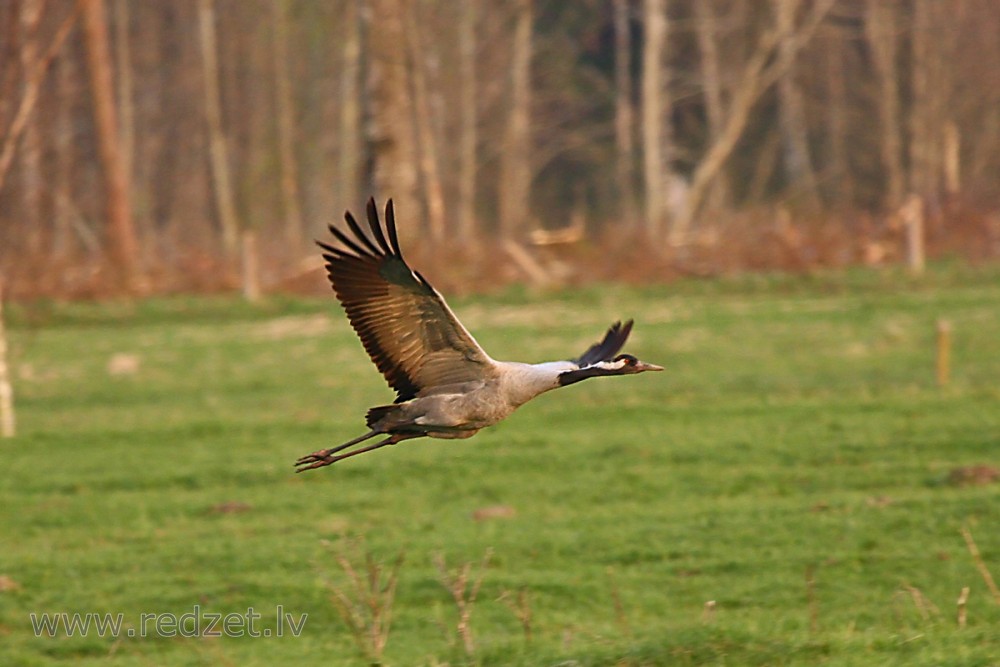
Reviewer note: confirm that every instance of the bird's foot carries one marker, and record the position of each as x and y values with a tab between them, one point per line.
315	460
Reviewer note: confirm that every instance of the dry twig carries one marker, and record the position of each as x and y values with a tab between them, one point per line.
457	583
980	565
920	601
811	598
520	605
620	618
366	604
963	599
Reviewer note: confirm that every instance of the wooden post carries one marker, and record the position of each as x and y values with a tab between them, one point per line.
250	264
943	353
952	159
913	220
6	390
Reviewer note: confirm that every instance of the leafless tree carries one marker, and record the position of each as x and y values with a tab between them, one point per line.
758	73
427	143
225	205
654	115
349	104
515	163
706	29
285	118
525	113
469	131
624	110
880	29
120	229
791	116
31	148
390	128
123	64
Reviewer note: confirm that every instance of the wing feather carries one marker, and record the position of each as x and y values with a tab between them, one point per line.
356	228
608	347
406	327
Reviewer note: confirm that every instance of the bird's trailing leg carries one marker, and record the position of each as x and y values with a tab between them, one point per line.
325	457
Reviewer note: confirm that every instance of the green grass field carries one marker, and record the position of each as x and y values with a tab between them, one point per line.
792	466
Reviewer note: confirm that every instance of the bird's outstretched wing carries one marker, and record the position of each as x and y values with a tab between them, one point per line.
605	350
405	325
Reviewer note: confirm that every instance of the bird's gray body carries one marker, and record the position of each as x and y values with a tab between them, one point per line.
460	410
446	385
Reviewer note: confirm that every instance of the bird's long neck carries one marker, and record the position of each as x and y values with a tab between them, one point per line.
600	369
522	382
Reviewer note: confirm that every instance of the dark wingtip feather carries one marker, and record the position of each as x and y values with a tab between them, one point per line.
376	226
390	223
359	234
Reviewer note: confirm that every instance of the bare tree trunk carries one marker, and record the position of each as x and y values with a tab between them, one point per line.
467	162
32	85
711	80
880	28
350	106
515	167
654	167
792	120
391	132
218	152
67	73
841	191
7	421
755	78
286	127
121	232
624	110
920	180
123	59
31	149
926	123
433	195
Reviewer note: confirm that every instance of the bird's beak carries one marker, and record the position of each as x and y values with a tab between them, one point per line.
643	366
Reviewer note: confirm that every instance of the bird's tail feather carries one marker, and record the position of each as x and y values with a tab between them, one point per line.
378	413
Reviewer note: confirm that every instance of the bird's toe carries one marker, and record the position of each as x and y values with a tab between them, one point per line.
314	460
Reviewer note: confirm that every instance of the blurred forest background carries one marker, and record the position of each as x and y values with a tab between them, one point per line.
202	144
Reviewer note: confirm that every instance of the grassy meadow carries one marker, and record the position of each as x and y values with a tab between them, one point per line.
783	495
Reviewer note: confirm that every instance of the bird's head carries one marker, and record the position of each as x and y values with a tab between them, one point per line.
623	364
626	364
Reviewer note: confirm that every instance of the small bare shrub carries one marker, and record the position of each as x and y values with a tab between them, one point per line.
457	583
621	620
520	605
365	600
